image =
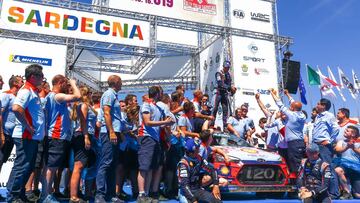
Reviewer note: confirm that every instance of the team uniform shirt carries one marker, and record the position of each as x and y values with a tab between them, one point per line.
149	107
308	128
350	154
223	81
58	116
205	151
241	125
276	133
342	128
130	141
8	116
295	121
184	120
90	120
109	98
325	127
29	100
197	105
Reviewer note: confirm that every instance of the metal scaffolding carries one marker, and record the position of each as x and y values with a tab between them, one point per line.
144	55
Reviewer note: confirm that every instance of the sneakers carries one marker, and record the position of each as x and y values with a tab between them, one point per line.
143	199
31	197
50	199
116	200
99	199
346	195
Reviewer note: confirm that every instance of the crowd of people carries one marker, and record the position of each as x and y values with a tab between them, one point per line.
99	141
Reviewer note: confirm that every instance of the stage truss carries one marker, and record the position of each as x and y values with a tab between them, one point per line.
107	52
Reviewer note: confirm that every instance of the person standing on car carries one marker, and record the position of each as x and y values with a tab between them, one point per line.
294	125
189	173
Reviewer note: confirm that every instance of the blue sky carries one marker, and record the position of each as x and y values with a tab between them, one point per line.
326	33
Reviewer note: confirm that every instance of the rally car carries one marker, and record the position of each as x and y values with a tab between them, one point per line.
251	169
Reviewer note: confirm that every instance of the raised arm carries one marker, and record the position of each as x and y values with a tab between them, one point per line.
262	106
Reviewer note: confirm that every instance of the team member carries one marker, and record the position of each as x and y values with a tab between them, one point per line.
28	131
241	125
314	179
149	154
59	125
348	168
8	116
85	117
325	127
110	136
223	81
186	123
309	128
295	121
32	186
343	117
189	175
131	100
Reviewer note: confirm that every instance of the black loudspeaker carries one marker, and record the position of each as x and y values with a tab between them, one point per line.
291	75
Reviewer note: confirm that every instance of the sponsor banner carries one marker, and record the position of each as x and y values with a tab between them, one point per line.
254	15
30	60
69	23
201	11
255	71
16	55
6	169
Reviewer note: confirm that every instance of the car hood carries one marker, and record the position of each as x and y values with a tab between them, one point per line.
250	154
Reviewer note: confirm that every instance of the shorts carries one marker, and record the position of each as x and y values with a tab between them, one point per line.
57	154
150	154
131	159
5	152
39	163
78	146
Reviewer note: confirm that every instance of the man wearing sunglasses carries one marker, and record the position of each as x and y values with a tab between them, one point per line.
28	131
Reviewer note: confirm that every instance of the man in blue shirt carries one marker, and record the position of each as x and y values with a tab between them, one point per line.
294	125
325	127
110	136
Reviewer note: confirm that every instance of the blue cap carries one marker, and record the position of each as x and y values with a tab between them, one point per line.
227	64
313	148
191	145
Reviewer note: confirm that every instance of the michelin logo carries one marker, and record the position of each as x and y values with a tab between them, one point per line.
30	59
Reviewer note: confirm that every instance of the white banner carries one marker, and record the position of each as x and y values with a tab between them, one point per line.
75	24
15	56
254	15
255	71
202	11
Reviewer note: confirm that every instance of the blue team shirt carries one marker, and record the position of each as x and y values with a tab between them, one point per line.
109	98
8	116
58	116
325	127
28	99
90	120
149	107
187	122
294	123
241	125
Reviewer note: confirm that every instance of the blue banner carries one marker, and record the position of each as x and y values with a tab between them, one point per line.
30	60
